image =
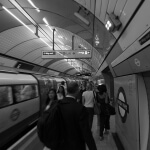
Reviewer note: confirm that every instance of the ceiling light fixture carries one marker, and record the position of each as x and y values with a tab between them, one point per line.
23	24
113	23
17	18
37	9
29	28
82	46
23	12
28	17
46	22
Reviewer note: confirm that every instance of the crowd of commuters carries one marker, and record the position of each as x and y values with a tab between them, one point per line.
79	111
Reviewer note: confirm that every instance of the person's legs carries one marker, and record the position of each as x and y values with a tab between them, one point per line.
98	120
102	123
107	123
91	113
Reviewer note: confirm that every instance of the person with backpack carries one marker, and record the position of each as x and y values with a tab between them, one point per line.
65	126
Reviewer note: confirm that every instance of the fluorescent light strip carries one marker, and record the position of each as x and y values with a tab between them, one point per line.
46	22
24	24
28	17
37	9
45	43
32	3
17	19
83	46
29	29
23	11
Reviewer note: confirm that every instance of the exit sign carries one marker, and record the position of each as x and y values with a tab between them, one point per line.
67	54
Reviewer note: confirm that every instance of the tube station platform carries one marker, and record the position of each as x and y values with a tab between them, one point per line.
31	141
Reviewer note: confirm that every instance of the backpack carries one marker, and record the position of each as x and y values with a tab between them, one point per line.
50	127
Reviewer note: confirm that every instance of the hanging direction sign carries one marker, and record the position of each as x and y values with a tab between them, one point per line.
67	54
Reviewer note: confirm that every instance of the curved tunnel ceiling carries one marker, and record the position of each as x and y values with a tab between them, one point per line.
18	42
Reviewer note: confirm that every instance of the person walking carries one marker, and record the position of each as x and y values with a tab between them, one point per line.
75	116
103	100
88	102
52	96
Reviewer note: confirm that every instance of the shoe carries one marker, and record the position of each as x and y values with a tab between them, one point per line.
101	138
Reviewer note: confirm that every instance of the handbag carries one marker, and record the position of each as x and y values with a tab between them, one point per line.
96	106
110	110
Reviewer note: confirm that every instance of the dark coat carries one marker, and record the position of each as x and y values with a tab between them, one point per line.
76	126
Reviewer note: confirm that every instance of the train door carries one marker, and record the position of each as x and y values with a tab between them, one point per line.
127	117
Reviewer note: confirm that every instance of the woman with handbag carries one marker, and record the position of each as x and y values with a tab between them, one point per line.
103	99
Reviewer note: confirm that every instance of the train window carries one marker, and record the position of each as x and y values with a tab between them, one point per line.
5	96
25	92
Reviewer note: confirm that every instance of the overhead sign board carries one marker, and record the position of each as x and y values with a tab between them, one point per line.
67	54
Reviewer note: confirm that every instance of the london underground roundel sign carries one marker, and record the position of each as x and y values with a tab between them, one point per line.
123	107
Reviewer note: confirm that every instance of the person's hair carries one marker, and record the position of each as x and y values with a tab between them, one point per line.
72	87
63	90
89	86
102	88
62	82
55	97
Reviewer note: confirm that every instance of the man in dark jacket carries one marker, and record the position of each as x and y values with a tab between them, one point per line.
77	130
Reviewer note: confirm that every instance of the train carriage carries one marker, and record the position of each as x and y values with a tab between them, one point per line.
18	94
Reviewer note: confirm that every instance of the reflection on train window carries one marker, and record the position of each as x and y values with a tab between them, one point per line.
5	96
25	92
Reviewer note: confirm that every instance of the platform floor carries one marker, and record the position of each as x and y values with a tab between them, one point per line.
108	142
32	142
